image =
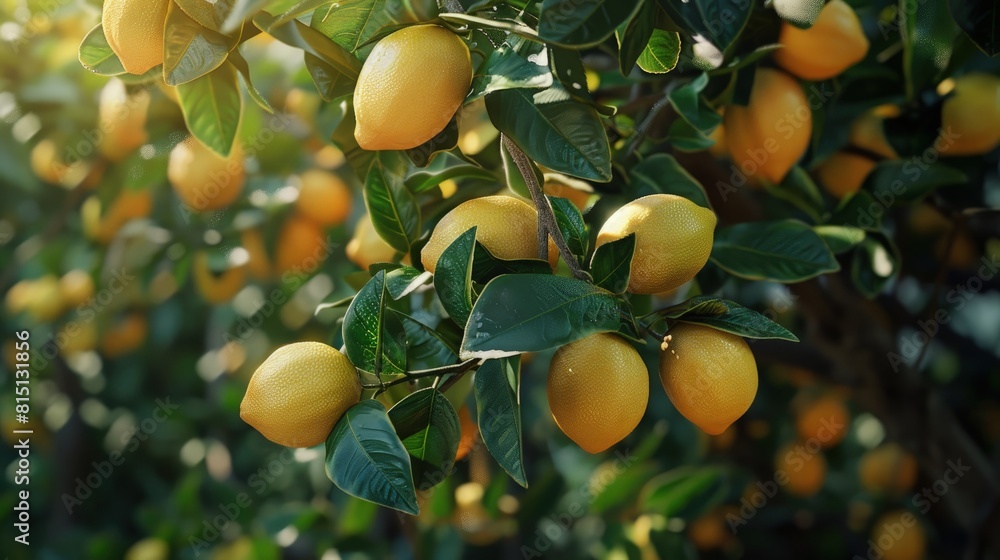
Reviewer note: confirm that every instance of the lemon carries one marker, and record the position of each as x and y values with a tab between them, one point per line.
825	418
709	375
122	119
834	43
673	239
77	337
299	393
578	197
868	131
76	287
410	87
899	536
203	179
888	469
258	264
507	227
148	549
844	173
45	301
972	116
366	247
130	205
805	471
134	30
125	336
302	247
769	135
598	388
324	198
217	288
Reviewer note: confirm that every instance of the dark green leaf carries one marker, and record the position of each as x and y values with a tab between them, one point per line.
453	277
780	250
212	107
425	347
240	63
444	167
801	191
685	492
565	136
980	20
612	264
214	15
875	261
582	23
571	225
634	36
840	239
662	174
531	312
298	9
190	50
496	386
365	458
404	280
330	83
486	266
506	69
859	210
893	182
688	103
96	55
661	53
372	343
727	316
443	141
615	484
393	210
717	21
429	429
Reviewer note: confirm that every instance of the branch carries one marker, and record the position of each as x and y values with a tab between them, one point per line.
458	369
547	226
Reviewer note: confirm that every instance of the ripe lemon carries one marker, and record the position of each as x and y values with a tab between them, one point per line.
507	226
888	469
410	87
217	288
122	119
868	131
130	205
76	287
898	535
125	336
834	43
673	239
970	118
805	471
825	418
366	247
299	393
324	198
768	136
49	167
258	265
844	173
709	375
203	179
77	337
134	30
44	300
598	388
18	297
302	247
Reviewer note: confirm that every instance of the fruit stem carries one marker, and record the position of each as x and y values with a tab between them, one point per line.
547	226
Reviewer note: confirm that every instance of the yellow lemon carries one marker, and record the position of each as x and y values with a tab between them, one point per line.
844	173
366	247
324	198
673	239
825	418
203	179
834	43
76	287
888	469
299	393
134	30
410	87
868	131
970	118
803	472
217	288
148	549
302	247
122	119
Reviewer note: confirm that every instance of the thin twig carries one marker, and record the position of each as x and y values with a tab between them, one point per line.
547	225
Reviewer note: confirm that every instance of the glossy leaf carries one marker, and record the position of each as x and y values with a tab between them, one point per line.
859	210
928	33
565	136
801	191
212	107
366	459
96	54
442	142
425	347
404	280
875	262
780	250
496	385
353	23
661	173
893	182
980	20
453	277
687	101
661	53
299	35
532	312
393	210
718	21
486	266
370	342
574	230
506	69
611	266
582	23
444	167
240	63
840	239
727	316
428	426
634	36
190	50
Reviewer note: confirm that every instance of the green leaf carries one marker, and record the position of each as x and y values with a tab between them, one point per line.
413	11
686	492
299	35
496	386
96	55
506	69
425	347
662	174
565	136
330	82
840	239
800	13
582	23
443	141
801	191
240	63
612	264
875	261
727	316
661	53
780	250
366	459
859	210
214	14
893	182
717	21
429	429
453	277
402	281
299	9
212	107
486	266
238	11
353	23
393	210
980	20
633	37
574	230
444	167
190	50
515	180
687	138
688	103
614	490
532	312
372	343
928	34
